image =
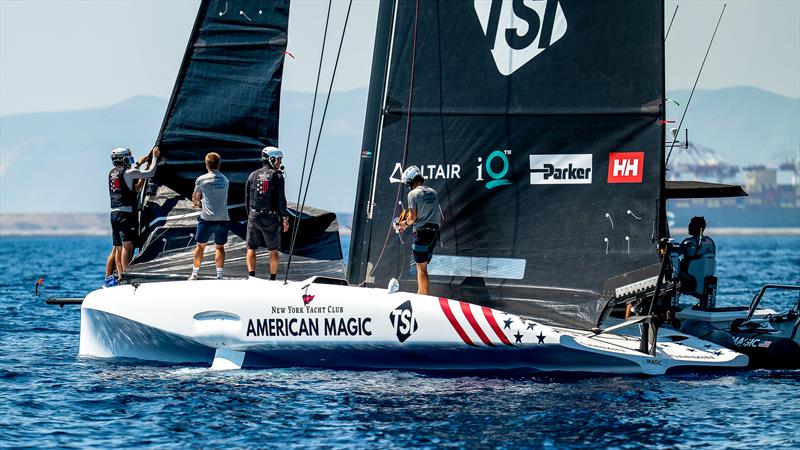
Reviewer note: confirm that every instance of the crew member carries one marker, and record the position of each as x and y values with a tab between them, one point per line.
267	215
423	217
698	263
211	193
122	190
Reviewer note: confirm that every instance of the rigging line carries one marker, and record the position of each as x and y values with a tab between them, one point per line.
405	139
310	126
688	102
316	146
670	21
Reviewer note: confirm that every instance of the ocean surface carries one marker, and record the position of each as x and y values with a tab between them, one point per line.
51	398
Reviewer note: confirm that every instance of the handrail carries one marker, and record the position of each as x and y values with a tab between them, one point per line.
760	295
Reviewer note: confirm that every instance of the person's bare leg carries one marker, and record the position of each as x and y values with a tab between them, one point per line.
198	254
110	263
219	256
127	254
422	278
251	260
118	259
274	261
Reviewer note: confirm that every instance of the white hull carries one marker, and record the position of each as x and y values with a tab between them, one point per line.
258	323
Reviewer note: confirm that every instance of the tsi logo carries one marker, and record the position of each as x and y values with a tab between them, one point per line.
403	321
496	168
561	169
625	167
519	30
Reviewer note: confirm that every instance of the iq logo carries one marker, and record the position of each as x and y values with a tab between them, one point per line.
496	167
403	321
625	167
520	30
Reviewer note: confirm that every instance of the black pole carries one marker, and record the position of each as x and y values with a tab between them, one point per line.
362	225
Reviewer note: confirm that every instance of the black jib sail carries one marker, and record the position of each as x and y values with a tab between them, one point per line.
539	123
226	99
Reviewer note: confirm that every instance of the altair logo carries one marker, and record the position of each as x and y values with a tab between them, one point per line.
519	30
496	167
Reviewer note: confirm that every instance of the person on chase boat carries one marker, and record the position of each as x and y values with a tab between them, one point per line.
423	218
122	191
267	215
698	263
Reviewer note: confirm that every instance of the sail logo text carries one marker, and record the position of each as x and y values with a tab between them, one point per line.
519	30
625	167
561	169
428	171
496	166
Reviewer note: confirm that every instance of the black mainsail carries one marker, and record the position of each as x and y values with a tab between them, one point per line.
540	124
226	99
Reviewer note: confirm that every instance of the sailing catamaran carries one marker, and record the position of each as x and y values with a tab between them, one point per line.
541	125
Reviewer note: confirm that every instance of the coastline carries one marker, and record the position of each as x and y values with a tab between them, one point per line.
97	224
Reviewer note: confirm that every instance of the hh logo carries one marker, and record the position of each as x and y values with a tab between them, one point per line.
519	30
403	321
625	167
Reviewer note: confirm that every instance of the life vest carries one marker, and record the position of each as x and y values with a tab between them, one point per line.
262	190
119	192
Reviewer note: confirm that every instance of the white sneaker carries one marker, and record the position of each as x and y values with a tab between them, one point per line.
192	277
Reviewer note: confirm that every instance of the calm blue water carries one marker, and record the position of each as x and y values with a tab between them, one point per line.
50	398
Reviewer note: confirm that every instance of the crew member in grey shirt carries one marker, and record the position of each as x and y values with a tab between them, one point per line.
211	194
423	217
122	191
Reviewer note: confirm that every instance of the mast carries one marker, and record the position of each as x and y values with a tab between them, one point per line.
362	223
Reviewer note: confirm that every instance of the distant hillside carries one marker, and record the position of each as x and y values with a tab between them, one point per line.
744	125
58	162
65	224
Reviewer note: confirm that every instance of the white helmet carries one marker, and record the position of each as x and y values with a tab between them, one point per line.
122	155
410	174
270	155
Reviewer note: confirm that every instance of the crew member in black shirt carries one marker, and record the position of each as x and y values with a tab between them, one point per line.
265	200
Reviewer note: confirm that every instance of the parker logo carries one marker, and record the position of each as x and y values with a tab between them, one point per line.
496	166
625	167
561	169
403	320
519	30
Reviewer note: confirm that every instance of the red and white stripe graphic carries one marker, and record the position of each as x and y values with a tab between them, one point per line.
474	324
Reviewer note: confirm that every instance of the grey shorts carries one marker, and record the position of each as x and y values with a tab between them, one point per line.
263	230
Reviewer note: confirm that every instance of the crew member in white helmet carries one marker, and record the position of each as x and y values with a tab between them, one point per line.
267	215
122	191
423	218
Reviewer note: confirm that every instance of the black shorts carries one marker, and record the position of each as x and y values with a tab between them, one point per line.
123	227
206	227
425	239
263	230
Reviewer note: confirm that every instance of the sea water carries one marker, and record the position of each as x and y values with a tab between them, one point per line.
51	398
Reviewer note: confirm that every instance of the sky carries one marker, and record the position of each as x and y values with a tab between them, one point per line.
66	55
